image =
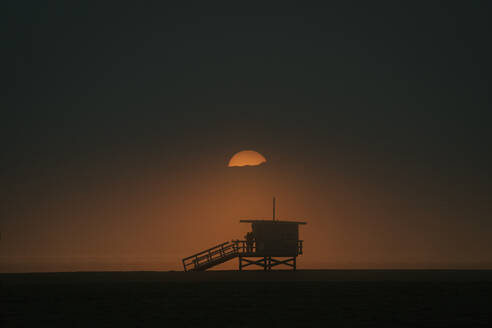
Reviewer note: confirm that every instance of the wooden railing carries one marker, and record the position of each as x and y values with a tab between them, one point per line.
299	247
242	246
209	255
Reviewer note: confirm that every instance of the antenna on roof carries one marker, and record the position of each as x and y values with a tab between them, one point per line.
273	216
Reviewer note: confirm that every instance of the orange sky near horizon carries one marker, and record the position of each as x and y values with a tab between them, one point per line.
149	221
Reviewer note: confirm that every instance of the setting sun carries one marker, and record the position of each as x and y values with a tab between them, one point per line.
247	158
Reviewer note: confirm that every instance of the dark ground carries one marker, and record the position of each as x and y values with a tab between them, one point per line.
388	298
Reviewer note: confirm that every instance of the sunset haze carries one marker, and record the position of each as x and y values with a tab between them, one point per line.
122	126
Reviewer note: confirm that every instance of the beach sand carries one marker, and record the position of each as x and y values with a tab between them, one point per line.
305	298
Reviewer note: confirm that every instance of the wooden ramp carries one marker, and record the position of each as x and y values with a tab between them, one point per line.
211	257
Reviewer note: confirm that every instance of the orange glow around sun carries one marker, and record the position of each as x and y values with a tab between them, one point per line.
247	158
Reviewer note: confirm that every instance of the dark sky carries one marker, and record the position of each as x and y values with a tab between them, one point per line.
120	118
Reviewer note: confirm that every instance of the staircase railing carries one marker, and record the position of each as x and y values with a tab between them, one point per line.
210	255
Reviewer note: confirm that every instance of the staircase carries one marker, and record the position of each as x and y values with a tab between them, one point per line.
211	257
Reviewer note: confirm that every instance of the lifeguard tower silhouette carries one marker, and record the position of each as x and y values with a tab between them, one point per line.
272	243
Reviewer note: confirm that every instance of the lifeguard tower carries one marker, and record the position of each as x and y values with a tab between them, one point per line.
272	243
